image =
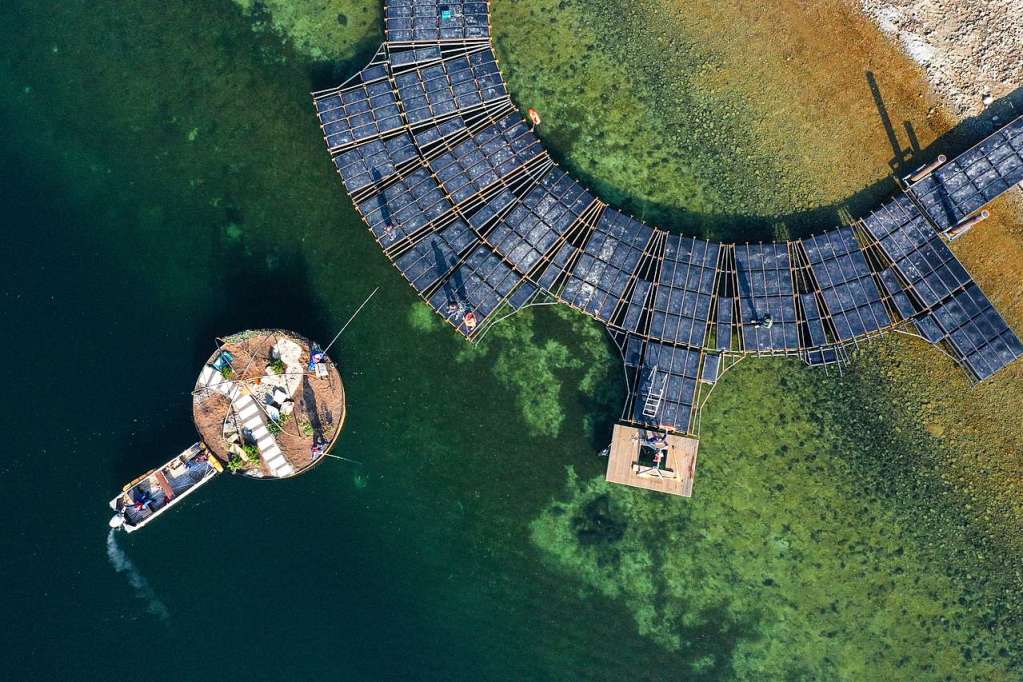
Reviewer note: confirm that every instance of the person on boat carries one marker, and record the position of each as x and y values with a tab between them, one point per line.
470	320
766	322
454	308
142	500
657	458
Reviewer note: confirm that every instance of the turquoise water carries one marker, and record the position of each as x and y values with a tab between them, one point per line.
164	182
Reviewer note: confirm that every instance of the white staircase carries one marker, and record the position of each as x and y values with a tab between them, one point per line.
250	417
654	396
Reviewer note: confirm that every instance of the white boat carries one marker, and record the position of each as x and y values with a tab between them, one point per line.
156	491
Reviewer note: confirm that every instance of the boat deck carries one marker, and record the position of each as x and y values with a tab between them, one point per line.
627	466
152	493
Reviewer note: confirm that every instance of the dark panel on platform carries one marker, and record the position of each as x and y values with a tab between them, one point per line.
607	261
375	161
901	301
919	254
522	295
723	327
816	357
711	369
436	255
764	275
978	336
359	112
528	232
478	285
974	178
418	55
814	323
680	309
846	284
637	304
404	207
444	129
481	160
443	88
412	20
671	373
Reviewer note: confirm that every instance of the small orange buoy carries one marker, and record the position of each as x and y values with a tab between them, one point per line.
534	116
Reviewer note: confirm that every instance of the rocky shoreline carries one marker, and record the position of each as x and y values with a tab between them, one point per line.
969	50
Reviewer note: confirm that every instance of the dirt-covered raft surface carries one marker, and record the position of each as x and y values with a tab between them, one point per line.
857	527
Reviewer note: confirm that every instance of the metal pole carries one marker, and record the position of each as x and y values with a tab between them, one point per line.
350	321
354	461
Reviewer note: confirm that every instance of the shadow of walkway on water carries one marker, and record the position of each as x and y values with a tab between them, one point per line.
753	228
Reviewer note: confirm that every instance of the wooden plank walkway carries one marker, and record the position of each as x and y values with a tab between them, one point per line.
674	476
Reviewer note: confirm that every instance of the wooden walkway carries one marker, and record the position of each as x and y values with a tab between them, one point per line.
675	474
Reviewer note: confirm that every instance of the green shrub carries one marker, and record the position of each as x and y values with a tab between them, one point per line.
273	427
227	372
307	428
234	463
277	366
251	452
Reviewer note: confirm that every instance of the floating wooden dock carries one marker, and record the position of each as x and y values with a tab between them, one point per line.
628	463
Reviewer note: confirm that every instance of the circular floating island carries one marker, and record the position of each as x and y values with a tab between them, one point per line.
268	403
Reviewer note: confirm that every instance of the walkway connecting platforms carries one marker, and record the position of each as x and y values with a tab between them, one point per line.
469	206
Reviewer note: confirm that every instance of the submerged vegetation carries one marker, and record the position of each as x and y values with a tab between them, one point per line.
321	29
535	353
710	117
789	562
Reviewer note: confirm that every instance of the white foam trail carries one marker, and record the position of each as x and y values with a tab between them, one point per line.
122	564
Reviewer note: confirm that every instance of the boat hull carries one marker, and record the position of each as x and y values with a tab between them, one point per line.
156	491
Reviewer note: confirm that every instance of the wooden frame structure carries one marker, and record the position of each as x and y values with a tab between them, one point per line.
472	210
674	474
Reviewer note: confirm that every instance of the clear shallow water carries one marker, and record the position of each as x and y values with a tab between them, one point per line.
164	182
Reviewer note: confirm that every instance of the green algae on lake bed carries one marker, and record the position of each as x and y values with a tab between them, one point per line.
531	356
785	564
320	29
646	124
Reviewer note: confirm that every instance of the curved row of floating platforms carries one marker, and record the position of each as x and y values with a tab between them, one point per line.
470	207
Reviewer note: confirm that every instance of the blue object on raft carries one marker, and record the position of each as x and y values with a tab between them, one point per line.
223	360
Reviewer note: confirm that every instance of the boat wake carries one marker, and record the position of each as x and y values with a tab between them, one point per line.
122	564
